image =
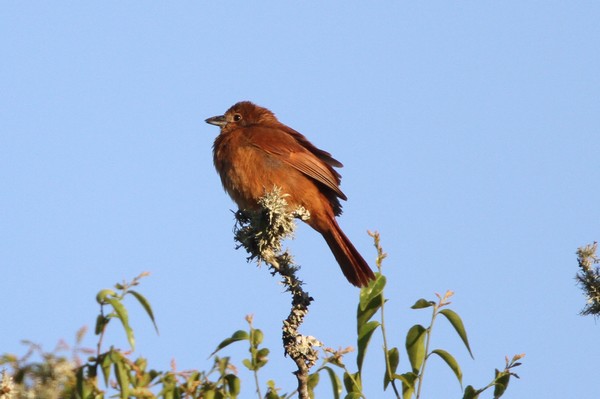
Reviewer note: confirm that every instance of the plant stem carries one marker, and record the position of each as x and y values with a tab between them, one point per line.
257	384
379	262
427	340
385	349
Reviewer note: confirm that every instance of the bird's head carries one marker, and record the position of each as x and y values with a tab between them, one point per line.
243	114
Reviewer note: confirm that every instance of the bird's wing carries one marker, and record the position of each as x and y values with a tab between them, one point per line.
295	150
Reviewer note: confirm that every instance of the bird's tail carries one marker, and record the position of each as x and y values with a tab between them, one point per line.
353	265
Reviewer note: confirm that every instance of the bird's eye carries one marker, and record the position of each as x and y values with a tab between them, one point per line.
237	117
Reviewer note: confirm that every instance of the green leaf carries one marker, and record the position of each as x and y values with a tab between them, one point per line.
313	380
371	291
105	363
146	305
408	384
262	353
101	322
192	380
239	335
352	382
364	336
257	337
272	394
364	315
393	359
501	383
248	364
470	393
80	386
102	294
233	383
221	364
415	346
451	362
122	376
406	378
394	356
422	304
458	325
336	384
261	358
124	317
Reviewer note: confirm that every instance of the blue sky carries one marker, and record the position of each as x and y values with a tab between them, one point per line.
469	132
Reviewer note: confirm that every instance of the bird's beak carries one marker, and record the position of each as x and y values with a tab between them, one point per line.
217	120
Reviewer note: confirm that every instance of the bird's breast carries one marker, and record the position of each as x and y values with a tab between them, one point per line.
247	172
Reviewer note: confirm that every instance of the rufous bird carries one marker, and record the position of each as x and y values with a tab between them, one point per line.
255	152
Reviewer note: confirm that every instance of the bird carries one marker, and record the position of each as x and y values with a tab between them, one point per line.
255	152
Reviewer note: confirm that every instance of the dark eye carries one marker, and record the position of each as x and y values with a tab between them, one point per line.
237	117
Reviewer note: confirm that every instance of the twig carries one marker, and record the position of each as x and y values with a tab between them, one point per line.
588	278
260	232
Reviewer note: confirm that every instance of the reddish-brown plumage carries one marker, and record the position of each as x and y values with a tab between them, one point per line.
255	152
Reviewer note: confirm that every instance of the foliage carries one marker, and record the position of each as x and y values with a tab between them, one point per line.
418	338
40	374
122	375
588	278
59	376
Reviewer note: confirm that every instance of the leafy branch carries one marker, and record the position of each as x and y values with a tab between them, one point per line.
125	377
114	299
588	278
